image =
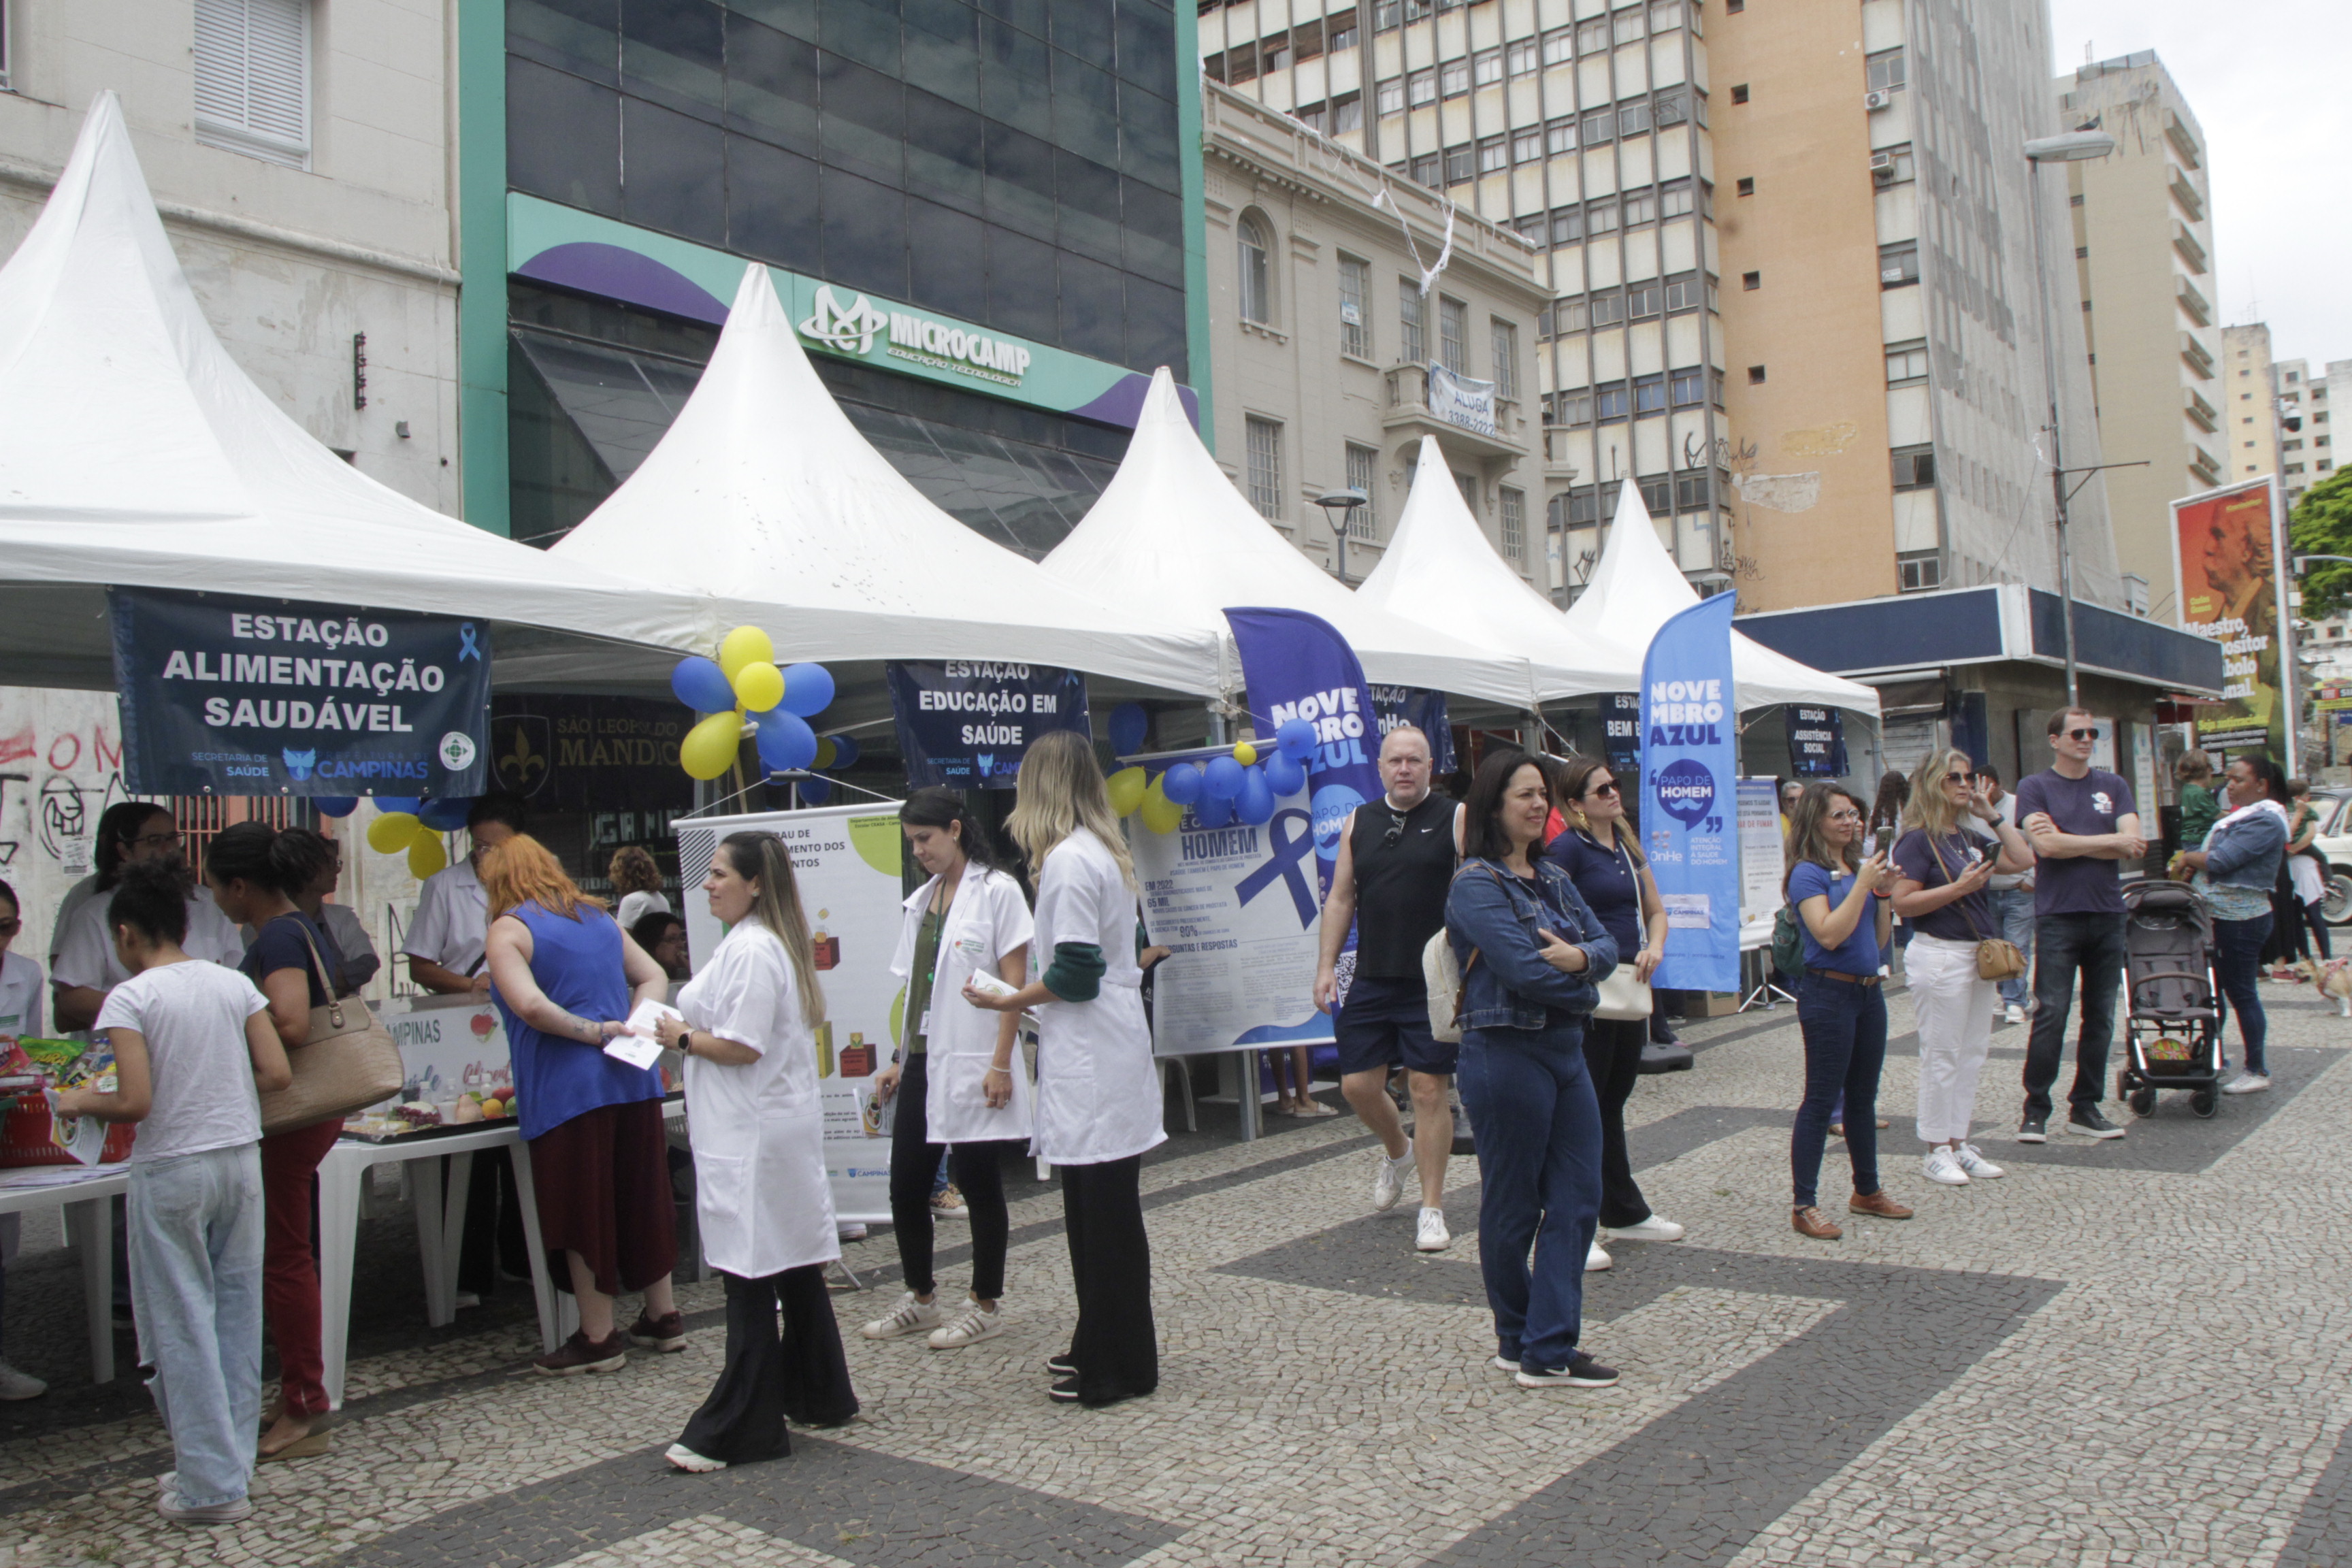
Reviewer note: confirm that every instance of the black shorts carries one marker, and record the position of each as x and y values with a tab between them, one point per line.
1384	1023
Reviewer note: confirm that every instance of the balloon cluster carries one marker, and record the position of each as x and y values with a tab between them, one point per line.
1234	787
410	825
744	679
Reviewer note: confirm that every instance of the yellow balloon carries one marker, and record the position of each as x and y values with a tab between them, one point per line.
744	645
827	752
759	686
710	748
394	831
1245	754
426	857
1162	814
1125	790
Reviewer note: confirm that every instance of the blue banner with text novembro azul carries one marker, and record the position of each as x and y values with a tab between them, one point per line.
1690	820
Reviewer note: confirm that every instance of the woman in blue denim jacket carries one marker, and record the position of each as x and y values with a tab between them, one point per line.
1531	952
2237	866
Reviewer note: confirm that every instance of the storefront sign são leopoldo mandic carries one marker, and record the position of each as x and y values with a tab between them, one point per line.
852	327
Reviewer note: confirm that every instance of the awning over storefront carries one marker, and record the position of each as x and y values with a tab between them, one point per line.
1172	537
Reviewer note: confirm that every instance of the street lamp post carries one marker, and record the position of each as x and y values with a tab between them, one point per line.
1339	511
2071	147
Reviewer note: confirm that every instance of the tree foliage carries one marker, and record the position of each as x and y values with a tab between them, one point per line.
2322	525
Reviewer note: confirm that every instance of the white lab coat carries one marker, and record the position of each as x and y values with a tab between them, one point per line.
760	1194
1098	1096
988	920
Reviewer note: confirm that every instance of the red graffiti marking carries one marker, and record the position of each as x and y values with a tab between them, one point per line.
105	753
18	746
71	756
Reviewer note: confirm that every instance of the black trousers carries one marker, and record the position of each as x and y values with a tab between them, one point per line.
1612	1060
493	1242
1116	1348
978	1171
799	1372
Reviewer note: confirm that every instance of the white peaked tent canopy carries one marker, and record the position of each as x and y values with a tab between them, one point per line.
1637	588
134	451
1440	570
763	496
1170	535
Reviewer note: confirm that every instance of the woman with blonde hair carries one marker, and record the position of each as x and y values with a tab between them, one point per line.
748	1027
1099	1103
563	975
637	884
1942	867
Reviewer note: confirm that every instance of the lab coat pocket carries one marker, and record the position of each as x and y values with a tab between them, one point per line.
723	1207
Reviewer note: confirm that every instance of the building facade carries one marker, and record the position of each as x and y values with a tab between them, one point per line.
2250	383
2143	238
1324	334
2306	453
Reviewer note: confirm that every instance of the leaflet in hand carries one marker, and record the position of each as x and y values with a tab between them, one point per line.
638	1047
990	984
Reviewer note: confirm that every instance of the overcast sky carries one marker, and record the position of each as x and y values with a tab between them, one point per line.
2266	79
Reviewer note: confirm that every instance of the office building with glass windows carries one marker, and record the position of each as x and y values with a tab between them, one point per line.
977	212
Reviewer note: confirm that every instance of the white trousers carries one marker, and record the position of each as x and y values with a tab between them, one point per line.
1955	1013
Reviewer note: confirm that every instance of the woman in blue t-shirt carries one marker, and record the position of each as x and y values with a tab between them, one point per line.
1842	912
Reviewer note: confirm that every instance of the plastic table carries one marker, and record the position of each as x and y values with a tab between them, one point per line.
85	1204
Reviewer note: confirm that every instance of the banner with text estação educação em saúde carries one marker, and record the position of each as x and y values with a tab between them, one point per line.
967	723
1690	738
227	695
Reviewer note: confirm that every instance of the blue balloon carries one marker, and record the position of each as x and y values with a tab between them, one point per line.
702	686
1212	810
334	804
1296	739
786	742
816	790
397	803
845	752
1254	804
1285	776
1129	724
445	815
1223	780
1181	783
808	689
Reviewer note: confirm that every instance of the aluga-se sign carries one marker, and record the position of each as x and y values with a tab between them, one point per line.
852	329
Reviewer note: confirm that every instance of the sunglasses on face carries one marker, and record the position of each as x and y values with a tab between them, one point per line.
1959	778
2081	734
1603	790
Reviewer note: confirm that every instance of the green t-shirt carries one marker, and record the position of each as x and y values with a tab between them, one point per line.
919	978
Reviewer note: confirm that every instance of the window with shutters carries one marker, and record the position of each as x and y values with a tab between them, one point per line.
1560	136
1521	57
1390	95
1355	307
1898	264
1454	77
1362	462
1592	38
1265	467
1687	387
1412	316
1515	521
1558	47
1453	335
1421	89
1913	468
1527	146
1493	155
1567	226
1458	163
253	78
1487	67
1254	260
1506	358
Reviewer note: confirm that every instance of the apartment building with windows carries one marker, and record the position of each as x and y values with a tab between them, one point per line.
1333	357
2143	237
2306	438
2250	384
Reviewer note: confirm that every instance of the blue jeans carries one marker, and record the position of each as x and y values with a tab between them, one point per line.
2013	908
2238	962
2092	943
1530	1098
195	1285
1846	1049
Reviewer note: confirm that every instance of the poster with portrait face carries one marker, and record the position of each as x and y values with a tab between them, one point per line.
2231	561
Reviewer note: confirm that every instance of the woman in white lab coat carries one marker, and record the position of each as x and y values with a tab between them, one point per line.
1098	1096
758	1130
957	1077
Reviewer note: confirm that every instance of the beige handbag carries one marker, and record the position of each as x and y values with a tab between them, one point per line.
349	1062
1624	999
1996	957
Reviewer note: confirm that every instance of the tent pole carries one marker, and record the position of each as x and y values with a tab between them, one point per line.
1245	1061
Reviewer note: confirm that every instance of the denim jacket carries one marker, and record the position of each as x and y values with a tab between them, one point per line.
1510	987
2242	853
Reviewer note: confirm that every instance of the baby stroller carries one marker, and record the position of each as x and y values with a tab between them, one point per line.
2172	1021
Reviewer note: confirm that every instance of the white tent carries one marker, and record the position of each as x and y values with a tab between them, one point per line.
134	451
764	498
1637	588
1171	535
1439	569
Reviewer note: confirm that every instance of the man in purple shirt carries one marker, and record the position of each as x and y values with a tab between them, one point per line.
2082	821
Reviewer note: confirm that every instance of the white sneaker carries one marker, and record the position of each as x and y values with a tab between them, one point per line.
1433	1237
2245	1083
692	1463
2012	1014
1979	1168
1596	1261
968	1327
1651	1229
1940	1166
913	1316
1504	1363
1388	1182
15	1385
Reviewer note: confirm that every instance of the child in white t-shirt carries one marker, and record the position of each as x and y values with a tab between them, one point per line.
193	1045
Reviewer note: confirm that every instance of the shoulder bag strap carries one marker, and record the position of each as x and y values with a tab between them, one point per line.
334	1005
1936	849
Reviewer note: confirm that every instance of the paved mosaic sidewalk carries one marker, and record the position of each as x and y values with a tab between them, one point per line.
2124	1353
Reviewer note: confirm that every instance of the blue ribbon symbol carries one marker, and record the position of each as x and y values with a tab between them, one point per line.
1292	832
465	645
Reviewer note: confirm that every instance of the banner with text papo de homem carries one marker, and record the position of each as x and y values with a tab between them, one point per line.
967	723
229	695
1690	735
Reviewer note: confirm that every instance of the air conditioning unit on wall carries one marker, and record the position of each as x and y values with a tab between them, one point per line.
1882	168
1877	98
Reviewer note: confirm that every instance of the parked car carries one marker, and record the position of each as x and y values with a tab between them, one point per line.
2335	846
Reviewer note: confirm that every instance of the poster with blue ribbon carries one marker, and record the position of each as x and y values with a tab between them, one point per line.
1297	666
227	695
1690	766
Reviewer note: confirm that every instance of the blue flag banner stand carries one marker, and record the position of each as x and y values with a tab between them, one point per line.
1690	733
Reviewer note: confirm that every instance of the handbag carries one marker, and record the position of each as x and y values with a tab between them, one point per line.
348	1063
1444	977
1997	958
1625	997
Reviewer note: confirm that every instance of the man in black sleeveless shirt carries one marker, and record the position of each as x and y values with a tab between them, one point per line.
1396	860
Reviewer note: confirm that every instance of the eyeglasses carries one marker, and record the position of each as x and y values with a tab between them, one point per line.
1606	787
2081	734
1845	816
1959	778
164	840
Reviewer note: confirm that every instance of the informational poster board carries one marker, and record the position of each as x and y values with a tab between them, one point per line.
2229	547
1238	909
848	860
1761	848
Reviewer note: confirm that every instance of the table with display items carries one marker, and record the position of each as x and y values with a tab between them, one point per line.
84	1194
